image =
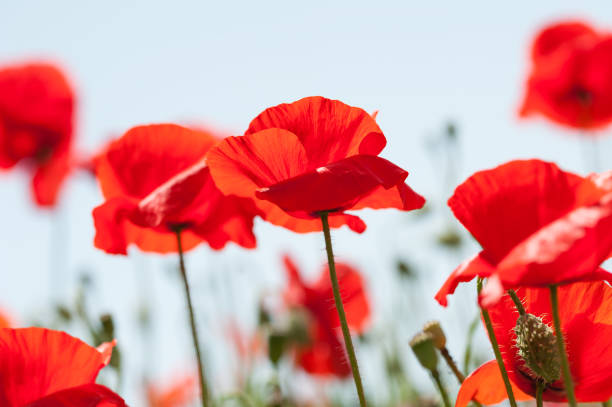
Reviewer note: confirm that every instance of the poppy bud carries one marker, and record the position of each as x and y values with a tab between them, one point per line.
536	344
437	334
423	347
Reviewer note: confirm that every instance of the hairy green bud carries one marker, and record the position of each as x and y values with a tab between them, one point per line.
537	347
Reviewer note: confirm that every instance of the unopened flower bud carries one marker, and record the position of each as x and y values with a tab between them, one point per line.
437	334
423	347
536	344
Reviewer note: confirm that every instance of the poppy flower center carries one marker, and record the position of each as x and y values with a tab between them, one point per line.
582	94
536	347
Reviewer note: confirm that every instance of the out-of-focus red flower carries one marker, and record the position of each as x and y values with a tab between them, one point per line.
325	354
570	81
5	320
180	392
537	225
41	368
247	346
310	156
155	181
586	321
36	120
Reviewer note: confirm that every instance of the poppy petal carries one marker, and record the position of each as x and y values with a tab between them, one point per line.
295	292
49	177
333	187
400	197
88	395
37	94
115	230
37	362
566	250
477	266
328	129
172	199
241	165
147	156
486	386
529	194
354	298
109	219
179	392
277	216
558	35
586	320
325	354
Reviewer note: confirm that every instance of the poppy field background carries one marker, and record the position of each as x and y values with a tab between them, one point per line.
430	70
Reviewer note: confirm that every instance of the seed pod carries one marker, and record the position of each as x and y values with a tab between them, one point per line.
537	347
423	347
437	334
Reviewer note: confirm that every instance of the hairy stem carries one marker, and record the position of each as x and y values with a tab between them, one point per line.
340	308
194	330
498	356
567	375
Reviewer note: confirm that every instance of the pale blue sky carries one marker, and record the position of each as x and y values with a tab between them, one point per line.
221	63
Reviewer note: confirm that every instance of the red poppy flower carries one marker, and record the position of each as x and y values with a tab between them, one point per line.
586	321
36	114
537	225
571	76
40	368
155	181
310	156
180	392
5	320
325	355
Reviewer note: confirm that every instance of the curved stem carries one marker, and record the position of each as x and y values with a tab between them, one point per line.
441	389
194	330
517	302
606	404
498	356
340	308
451	363
567	375
455	369
539	393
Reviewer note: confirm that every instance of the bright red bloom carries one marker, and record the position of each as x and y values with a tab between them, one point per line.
325	354
310	156
43	368
586	321
180	392
36	115
571	76
537	225
155	180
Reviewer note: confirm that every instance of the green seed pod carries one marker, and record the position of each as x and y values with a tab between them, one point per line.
437	334
537	347
423	347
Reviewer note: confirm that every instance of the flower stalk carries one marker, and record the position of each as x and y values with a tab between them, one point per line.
500	362
567	375
340	308
194	330
539	393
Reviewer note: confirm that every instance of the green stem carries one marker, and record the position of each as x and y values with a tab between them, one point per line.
340	308
498	356
539	393
517	302
194	330
607	403
567	375
441	389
